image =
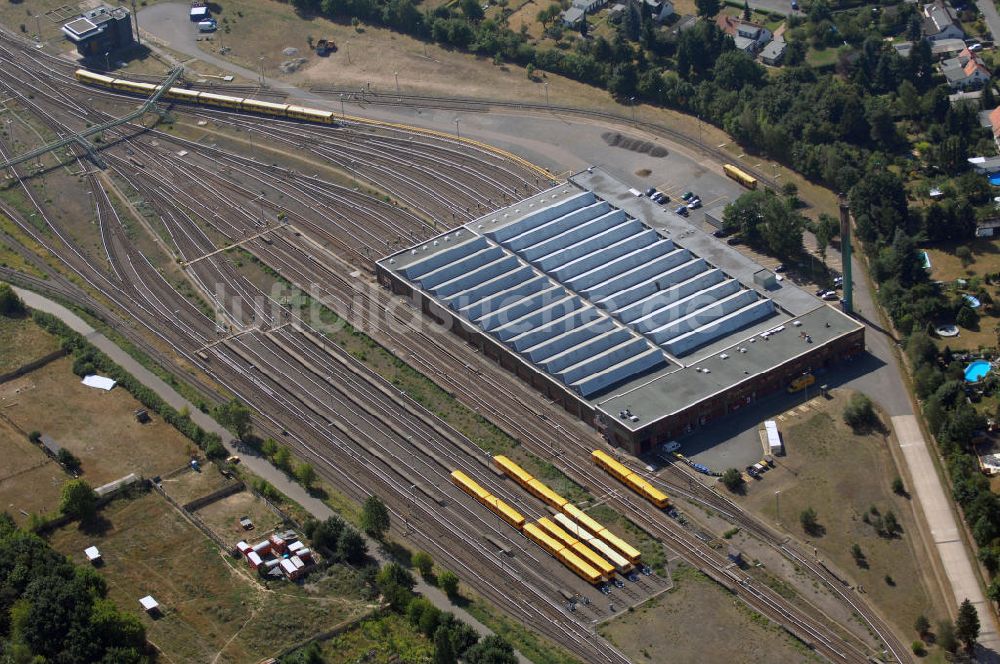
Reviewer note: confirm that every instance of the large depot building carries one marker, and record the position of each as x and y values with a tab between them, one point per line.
620	310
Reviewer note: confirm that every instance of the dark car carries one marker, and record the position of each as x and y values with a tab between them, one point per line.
651	192
682	210
795	6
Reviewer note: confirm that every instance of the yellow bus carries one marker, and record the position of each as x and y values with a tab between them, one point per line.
740	176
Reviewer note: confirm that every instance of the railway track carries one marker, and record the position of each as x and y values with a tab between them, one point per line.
255	389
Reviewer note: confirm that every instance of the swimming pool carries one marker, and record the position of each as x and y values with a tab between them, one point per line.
995	179
972	301
976	371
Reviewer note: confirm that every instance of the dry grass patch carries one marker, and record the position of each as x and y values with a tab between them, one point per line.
30	480
223	517
212	609
22	341
842	475
98	427
190	484
697	621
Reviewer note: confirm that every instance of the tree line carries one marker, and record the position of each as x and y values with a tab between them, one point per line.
54	611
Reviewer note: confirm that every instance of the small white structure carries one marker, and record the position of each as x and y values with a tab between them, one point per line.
148	604
93	555
774	445
100	382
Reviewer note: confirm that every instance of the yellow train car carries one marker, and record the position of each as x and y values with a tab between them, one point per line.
469	485
582	518
133	86
547	495
630	479
535	533
744	178
311	114
264	107
650	492
91	78
558	533
607	462
580	567
512	470
586	554
594	542
222	101
182	94
505	511
631	554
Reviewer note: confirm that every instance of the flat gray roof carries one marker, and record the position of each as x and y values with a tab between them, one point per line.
672	391
625	302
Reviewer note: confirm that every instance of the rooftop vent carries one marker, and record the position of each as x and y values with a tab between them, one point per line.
723	357
392	261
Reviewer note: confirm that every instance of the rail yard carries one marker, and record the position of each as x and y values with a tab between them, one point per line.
318	203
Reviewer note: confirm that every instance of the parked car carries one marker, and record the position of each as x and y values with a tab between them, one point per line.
780	267
688	195
682	210
735	240
795	6
651	192
695	203
976	47
672	446
830	296
208	25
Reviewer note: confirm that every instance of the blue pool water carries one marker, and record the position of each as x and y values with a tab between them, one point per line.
976	371
972	301
995	179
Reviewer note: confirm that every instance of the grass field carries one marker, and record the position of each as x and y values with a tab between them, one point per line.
946	267
223	517
30	480
98	427
698	621
189	484
212	610
387	639
842	475
21	341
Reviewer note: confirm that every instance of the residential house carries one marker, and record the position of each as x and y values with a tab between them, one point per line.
966	72
947	48
573	16
995	124
940	22
660	10
749	37
774	52
985	165
973	98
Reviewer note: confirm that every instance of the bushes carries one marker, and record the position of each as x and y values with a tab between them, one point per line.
60	613
732	479
10	304
859	414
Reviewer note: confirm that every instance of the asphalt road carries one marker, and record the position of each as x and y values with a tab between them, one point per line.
563	145
991	15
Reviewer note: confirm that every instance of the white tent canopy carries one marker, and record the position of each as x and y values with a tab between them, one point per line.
100	382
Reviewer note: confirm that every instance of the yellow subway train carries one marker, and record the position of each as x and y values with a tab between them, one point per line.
207	98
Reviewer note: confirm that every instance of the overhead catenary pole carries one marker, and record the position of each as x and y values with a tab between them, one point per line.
135	20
